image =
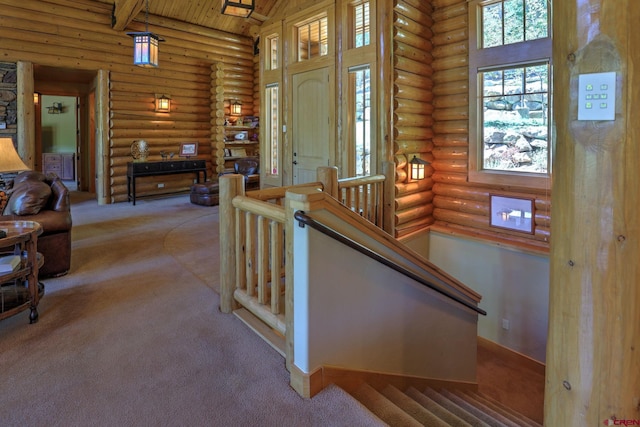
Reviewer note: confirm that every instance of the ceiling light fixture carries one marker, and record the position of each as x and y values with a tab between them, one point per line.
241	8
145	45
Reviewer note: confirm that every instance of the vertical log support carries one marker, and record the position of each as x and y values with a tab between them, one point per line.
26	114
230	186
593	366
103	140
217	116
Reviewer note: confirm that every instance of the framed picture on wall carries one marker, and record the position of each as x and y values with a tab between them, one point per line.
188	149
512	213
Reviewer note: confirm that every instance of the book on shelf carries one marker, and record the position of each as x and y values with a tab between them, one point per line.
9	263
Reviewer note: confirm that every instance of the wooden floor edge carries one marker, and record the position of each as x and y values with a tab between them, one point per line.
512	355
264	331
350	380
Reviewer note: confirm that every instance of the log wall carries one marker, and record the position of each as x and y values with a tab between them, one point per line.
412	111
78	35
461	206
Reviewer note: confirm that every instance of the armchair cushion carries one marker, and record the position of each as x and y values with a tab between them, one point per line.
28	198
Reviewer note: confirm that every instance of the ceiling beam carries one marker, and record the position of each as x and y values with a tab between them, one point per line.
123	13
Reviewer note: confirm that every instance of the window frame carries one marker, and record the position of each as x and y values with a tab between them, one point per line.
505	56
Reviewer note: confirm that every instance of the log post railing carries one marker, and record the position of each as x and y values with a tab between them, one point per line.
254	268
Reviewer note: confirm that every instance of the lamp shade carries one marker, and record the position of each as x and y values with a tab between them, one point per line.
240	8
9	159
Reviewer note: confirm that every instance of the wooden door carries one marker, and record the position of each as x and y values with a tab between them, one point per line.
311	123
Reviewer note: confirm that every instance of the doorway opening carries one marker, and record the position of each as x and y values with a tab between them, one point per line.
65	125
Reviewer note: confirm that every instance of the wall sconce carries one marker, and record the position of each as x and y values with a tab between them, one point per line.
145	45
36	98
236	108
163	103
417	168
56	108
241	8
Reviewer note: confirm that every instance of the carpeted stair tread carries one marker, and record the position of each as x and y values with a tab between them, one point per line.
441	412
493	418
513	415
413	408
469	413
383	408
491	409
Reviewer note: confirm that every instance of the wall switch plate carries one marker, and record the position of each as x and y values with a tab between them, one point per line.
597	96
505	324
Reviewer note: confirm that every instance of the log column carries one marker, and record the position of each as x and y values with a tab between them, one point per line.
593	365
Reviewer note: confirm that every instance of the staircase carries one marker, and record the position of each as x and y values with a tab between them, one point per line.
437	408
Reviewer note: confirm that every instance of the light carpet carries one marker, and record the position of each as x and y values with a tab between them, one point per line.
132	336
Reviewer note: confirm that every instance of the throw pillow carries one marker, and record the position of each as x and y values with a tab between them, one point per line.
28	198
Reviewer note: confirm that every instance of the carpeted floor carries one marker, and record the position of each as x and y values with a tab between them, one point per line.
132	336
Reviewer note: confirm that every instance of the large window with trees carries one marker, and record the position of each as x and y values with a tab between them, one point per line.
509	80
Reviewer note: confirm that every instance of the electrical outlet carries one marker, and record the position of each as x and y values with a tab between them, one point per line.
505	324
160	185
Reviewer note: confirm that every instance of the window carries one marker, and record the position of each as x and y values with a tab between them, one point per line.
271	56
361	25
313	39
360	117
509	80
271	131
358	143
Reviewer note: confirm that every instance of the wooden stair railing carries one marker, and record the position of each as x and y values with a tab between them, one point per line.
256	268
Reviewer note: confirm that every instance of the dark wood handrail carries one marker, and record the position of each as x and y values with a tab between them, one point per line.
304	219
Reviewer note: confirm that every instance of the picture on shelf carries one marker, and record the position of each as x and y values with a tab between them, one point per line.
188	149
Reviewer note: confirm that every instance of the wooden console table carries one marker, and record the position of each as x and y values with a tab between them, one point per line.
20	289
166	167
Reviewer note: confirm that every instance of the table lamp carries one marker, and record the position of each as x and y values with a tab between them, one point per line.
9	159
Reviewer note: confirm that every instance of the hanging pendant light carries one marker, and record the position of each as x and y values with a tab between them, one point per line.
240	8
145	45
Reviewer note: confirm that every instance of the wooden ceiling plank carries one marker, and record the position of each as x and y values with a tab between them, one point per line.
124	11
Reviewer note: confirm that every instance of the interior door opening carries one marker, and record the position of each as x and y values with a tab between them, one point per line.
70	95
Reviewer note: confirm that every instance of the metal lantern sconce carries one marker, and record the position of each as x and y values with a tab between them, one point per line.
240	8
163	104
236	108
417	168
145	45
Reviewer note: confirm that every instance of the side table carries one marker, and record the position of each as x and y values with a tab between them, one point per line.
20	289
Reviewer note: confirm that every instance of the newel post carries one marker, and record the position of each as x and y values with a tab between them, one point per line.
328	176
303	199
230	186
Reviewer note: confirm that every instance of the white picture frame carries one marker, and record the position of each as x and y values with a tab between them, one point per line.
512	213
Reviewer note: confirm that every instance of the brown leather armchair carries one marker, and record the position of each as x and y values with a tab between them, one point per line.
33	196
249	167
